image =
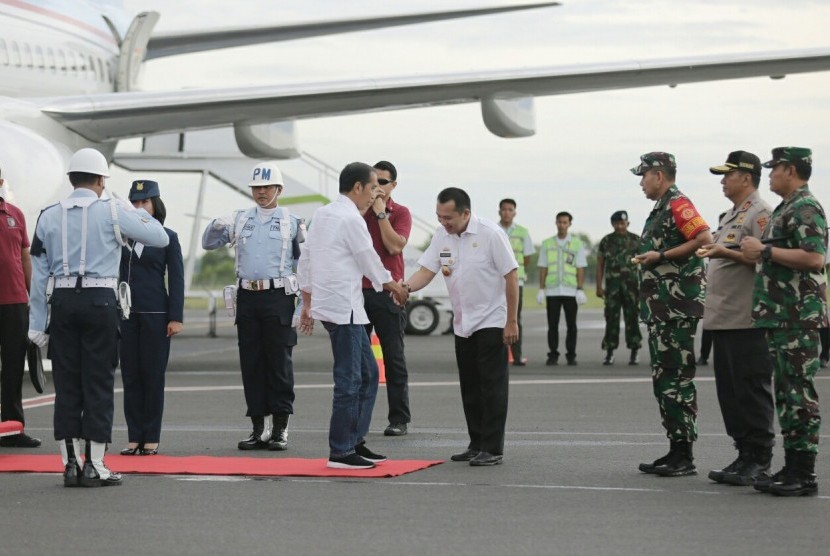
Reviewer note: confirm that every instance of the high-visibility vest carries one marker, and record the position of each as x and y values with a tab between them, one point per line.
561	262
517	237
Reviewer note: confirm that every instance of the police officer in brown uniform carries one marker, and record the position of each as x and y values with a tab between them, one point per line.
743	368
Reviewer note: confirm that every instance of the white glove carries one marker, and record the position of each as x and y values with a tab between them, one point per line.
540	297
581	298
41	339
222	222
127	206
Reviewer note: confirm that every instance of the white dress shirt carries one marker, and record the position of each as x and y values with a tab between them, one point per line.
335	257
478	261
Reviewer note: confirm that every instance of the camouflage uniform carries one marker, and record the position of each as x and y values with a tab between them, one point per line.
791	305
671	303
622	289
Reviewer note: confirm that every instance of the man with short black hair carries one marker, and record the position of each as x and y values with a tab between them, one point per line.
562	262
743	368
338	254
389	224
523	249
790	305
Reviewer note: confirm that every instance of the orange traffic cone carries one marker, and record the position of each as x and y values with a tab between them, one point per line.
379	358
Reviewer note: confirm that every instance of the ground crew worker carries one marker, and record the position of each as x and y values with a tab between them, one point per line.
523	249
618	283
671	303
267	240
789	302
562	263
743	368
75	255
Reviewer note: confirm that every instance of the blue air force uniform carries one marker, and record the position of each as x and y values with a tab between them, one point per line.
265	259
75	242
145	346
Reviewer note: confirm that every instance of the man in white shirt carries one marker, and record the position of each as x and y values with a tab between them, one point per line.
338	253
479	268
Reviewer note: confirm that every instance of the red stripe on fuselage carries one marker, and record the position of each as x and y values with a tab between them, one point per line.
60	17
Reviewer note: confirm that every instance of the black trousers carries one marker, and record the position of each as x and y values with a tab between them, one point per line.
83	347
484	377
554	304
14	326
266	340
389	322
743	377
144	349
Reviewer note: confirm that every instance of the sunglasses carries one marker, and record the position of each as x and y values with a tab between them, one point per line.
382	181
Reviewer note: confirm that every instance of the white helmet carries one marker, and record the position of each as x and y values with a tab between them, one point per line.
266	173
89	161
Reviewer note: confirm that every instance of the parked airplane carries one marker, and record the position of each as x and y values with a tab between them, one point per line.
68	74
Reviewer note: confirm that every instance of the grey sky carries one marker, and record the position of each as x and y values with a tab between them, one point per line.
585	144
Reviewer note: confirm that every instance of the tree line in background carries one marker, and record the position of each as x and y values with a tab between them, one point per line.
216	268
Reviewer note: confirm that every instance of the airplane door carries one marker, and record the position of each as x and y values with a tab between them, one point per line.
133	50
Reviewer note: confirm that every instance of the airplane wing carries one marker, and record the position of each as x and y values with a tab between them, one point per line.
112	116
170	44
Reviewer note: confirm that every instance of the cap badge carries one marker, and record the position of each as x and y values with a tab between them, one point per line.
139	186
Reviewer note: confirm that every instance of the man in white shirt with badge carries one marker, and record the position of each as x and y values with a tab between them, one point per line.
479	267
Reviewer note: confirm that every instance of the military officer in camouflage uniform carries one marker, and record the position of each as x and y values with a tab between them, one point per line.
671	303
618	282
523	249
743	368
790	303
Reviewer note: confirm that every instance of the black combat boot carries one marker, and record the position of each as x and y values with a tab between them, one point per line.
800	480
765	480
255	440
680	464
755	465
635	359
650	467
72	469
718	475
609	357
279	436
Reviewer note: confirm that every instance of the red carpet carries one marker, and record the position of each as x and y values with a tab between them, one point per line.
208	465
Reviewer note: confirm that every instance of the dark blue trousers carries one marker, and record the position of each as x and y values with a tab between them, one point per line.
145	349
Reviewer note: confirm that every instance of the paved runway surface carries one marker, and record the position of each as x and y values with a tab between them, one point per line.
569	484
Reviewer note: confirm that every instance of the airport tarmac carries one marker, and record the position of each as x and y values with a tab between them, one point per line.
569	483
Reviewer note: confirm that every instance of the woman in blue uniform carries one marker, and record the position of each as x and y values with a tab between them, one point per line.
155	317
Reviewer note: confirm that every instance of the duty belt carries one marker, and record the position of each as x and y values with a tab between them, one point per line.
85	282
257	285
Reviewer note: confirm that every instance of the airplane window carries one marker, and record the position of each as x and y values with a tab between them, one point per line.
50	59
27	56
102	75
15	58
4	53
73	63
39	61
62	61
92	72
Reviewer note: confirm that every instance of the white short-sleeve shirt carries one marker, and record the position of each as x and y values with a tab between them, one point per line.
478	260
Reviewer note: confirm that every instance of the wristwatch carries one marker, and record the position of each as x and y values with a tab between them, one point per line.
663	257
766	254
381	215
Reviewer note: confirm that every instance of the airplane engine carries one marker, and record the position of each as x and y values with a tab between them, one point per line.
509	117
34	170
276	140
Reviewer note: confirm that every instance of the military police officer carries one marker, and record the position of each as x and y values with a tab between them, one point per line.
75	254
618	282
267	242
671	303
789	302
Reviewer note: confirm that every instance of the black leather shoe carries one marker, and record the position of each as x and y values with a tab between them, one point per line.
718	475
72	474
21	440
552	361
650	467
363	451
91	478
467	455
795	483
395	429
148	451
572	361
635	358
609	358
132	451
486	459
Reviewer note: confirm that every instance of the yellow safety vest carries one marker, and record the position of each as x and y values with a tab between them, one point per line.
561	262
